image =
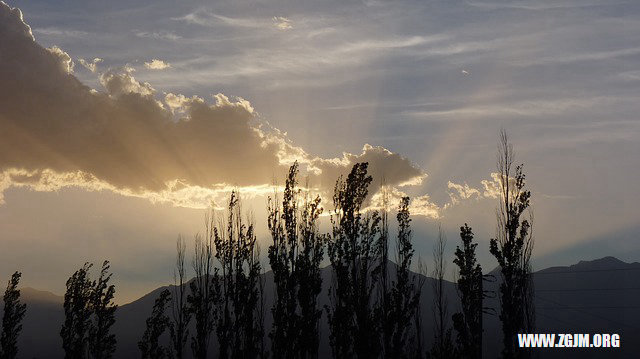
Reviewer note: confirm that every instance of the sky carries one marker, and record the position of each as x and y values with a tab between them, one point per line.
121	122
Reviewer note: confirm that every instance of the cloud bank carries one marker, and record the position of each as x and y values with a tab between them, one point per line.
57	132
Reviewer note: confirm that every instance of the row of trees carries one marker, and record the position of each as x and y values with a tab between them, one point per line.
512	247
89	314
226	298
374	304
370	314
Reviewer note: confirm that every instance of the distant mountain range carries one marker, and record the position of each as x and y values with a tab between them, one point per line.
599	296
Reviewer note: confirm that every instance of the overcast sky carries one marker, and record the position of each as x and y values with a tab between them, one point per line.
121	121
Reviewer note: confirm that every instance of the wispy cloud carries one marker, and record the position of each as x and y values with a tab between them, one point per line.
542	4
206	17
303	60
55	31
521	108
160	35
629	75
566	58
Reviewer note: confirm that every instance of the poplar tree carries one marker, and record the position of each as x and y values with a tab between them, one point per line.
238	286
156	325
180	314
201	298
102	343
89	314
404	294
443	347
354	252
382	309
13	314
468	322
77	313
512	248
294	257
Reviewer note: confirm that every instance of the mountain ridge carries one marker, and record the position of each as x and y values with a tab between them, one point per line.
569	299
580	265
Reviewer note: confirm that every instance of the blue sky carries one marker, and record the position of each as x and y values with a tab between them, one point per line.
431	82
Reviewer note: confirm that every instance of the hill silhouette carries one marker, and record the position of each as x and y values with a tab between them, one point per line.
597	296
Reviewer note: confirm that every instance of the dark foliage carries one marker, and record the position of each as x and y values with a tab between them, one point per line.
89	314
468	323
354	252
295	257
77	313
512	248
201	299
102	343
157	324
240	325
12	318
403	299
443	347
383	306
180	313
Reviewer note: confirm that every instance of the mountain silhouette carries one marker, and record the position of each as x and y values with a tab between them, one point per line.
598	296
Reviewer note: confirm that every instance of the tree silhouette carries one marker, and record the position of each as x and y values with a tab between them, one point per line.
89	314
295	257
354	252
102	343
443	346
157	324
12	318
238	286
201	299
468	323
512	247
180	314
404	294
77	312
417	317
383	309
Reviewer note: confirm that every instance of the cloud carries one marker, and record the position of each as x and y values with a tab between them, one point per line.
159	35
523	108
418	206
539	5
461	192
64	60
120	81
386	167
579	57
458	193
91	66
157	64
54	31
59	133
179	103
205	17
492	187
422	206
282	23
629	75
